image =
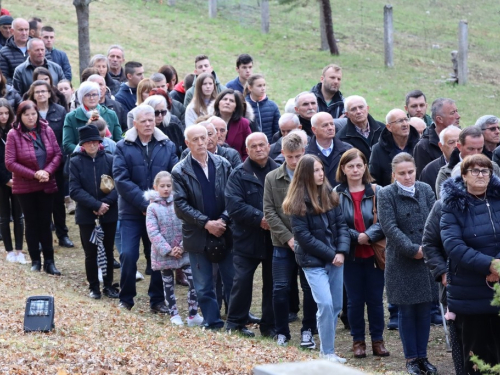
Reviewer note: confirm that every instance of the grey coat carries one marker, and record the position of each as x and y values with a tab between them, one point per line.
402	218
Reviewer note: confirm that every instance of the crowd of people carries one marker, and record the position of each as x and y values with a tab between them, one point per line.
215	182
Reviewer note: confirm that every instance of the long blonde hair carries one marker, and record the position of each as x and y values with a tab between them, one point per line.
322	198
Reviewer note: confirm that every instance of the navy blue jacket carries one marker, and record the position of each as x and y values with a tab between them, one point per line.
267	116
61	59
84	187
126	96
235	84
10	57
312	247
245	205
470	230
134	175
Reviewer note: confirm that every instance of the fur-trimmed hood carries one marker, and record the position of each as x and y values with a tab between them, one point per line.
153	196
454	193
131	135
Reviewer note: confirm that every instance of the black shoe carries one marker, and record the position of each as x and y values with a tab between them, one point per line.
436	320
116	264
159	308
50	268
95	294
252	319
244	331
124	305
292	317
36	266
393	324
269	333
426	367
413	367
110	292
66	242
148	271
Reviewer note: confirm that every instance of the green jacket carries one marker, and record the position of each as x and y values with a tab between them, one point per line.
77	118
275	189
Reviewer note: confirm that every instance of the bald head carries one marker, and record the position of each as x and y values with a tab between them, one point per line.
258	148
418	124
197	140
397	123
20	31
211	135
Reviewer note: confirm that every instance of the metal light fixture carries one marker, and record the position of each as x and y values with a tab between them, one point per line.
39	314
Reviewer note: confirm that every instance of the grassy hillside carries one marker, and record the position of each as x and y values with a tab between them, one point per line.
425	33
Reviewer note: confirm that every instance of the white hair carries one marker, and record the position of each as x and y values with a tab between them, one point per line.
297	98
350	99
95	77
87	87
250	136
290	106
117	46
140	109
289	117
445	131
194	127
315	118
483	121
391	112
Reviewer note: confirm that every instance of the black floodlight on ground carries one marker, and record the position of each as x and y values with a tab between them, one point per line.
39	314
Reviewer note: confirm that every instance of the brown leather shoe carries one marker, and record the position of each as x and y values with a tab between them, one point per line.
379	349
359	349
180	277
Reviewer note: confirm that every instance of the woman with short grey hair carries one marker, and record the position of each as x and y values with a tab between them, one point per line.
403	208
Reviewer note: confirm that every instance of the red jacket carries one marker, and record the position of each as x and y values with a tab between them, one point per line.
20	159
237	134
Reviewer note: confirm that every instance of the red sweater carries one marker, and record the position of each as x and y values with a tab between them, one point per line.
21	160
237	134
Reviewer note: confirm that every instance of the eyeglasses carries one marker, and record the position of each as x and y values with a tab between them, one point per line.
484	172
493	128
91	96
401	121
41	92
162	112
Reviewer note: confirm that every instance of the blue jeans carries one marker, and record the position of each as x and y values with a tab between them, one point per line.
132	231
284	265
364	285
326	286
205	288
414	327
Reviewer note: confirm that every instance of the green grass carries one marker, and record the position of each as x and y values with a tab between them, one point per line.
425	33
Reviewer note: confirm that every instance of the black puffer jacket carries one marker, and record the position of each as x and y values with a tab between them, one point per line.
312	247
432	246
349	134
179	111
188	200
12	97
430	172
10	58
383	153
336	106
470	230
427	149
84	187
373	231
55	117
5	174
245	206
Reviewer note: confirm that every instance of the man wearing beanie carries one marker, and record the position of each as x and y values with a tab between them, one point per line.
5	26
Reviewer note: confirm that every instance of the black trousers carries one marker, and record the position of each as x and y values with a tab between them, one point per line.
58	208
90	249
37	210
294	301
241	293
10	207
479	334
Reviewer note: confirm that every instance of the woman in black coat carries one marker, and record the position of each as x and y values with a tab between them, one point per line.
363	279
321	244
9	205
470	230
94	206
10	93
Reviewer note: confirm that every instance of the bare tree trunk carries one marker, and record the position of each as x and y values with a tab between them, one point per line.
171	2
264	16
212	8
82	16
324	42
327	12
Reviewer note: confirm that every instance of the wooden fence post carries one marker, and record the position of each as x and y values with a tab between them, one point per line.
264	16
388	36
463	46
171	2
212	8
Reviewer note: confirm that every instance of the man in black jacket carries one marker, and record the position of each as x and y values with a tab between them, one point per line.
328	93
325	145
199	183
398	136
14	52
252	239
361	130
491	132
306	106
444	113
416	106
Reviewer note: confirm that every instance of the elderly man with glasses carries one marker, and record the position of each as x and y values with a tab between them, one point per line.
491	133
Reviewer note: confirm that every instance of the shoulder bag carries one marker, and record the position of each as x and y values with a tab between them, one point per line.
379	246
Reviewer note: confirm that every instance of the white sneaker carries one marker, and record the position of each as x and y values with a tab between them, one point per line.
194	321
176	320
281	340
333	358
99	274
307	341
11	257
20	258
139	276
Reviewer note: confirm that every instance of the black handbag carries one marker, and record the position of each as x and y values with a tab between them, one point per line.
215	248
